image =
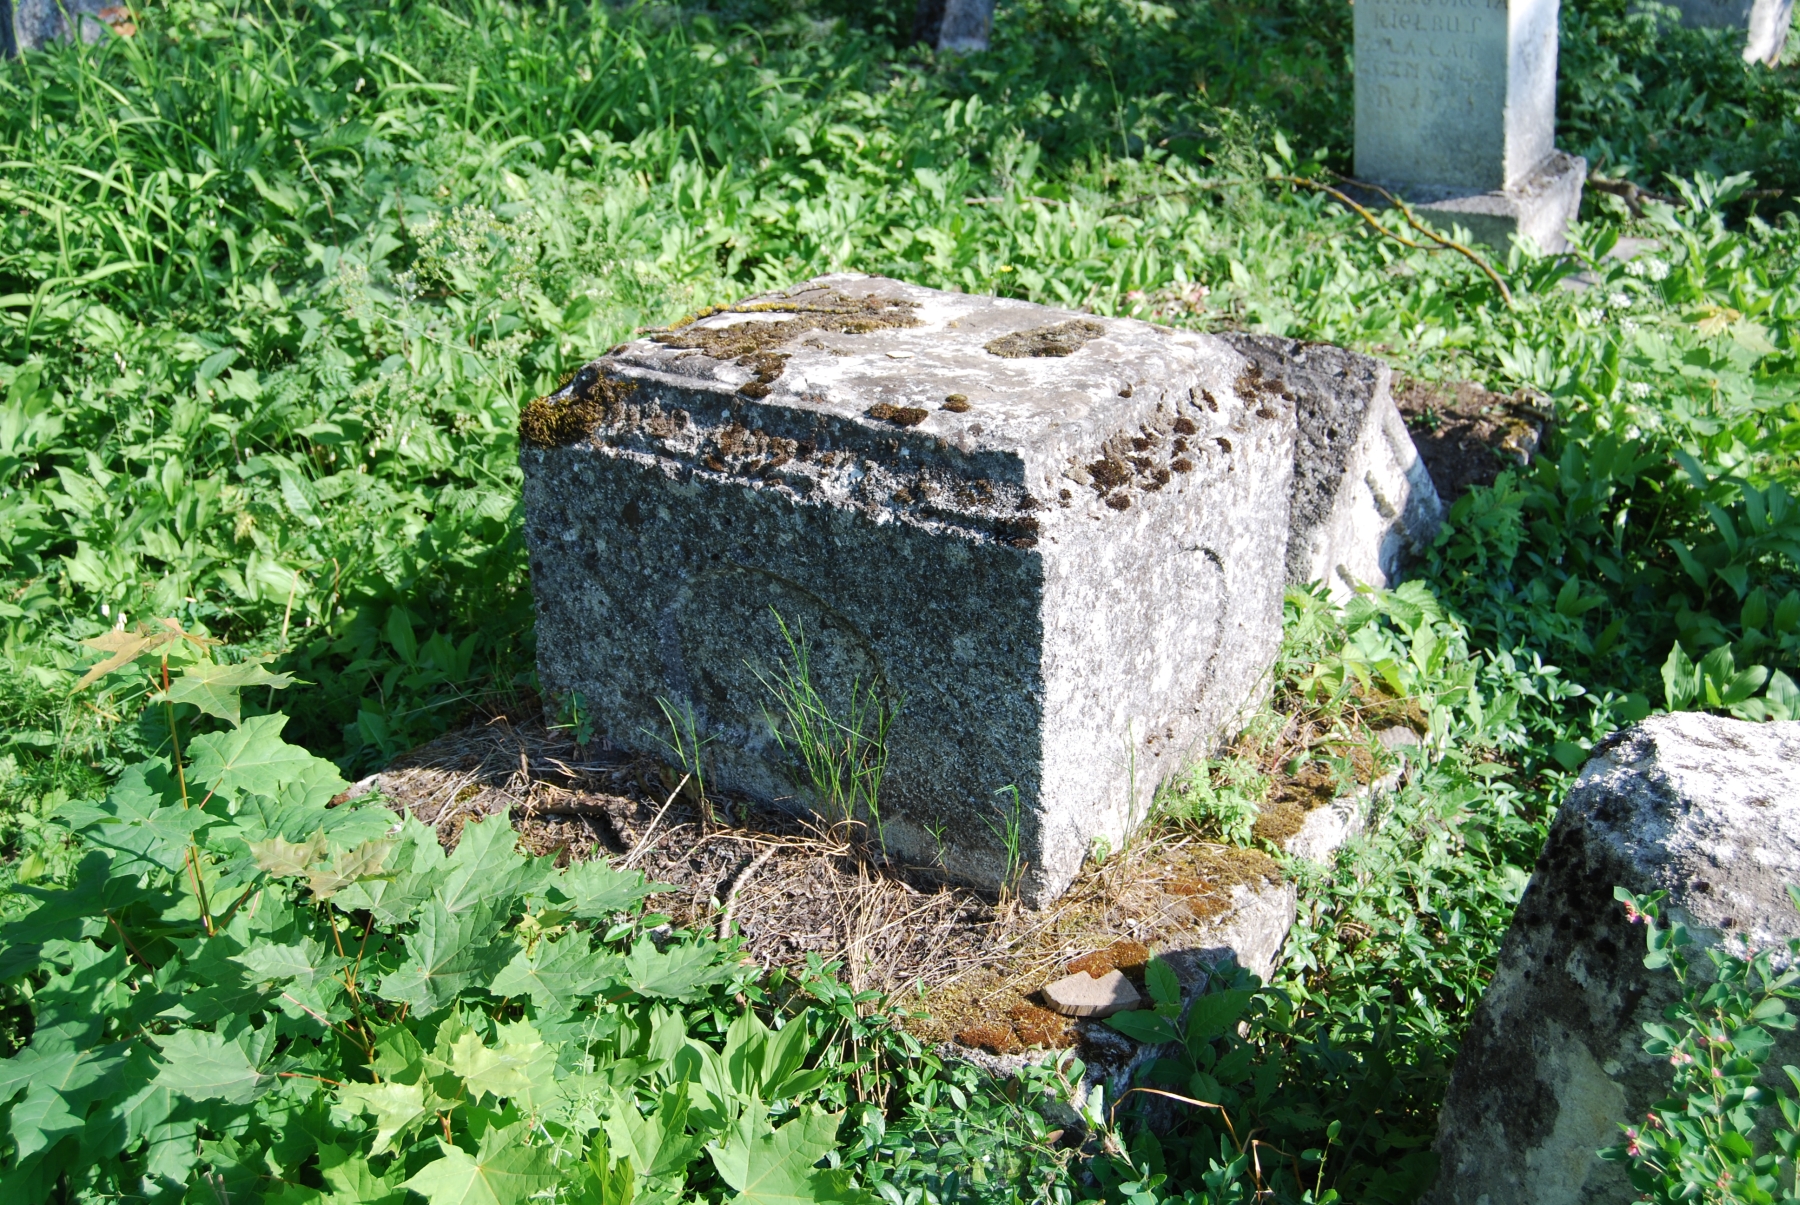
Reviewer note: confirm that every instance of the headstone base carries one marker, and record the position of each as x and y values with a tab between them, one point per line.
1539	209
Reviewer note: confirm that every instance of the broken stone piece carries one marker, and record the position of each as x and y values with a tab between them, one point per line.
1082	995
1705	808
1363	503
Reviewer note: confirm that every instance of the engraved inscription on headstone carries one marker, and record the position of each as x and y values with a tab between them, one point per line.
1456	109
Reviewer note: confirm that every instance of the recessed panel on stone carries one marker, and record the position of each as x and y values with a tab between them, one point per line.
1053	543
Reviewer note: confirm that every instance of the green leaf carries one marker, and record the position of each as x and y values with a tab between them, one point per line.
448	954
502	1172
251	759
1144	1026
486	867
557	975
1164	986
1214	1015
521	1069
777	1168
678	973
594	890
397	1108
214	688
208	1066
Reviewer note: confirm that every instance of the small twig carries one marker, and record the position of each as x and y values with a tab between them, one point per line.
737	885
1405	212
644	841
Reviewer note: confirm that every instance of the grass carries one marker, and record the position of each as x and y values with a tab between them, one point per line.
276	279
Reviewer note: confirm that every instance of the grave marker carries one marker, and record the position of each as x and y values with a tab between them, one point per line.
1456	109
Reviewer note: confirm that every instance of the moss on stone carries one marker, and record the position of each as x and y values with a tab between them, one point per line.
1060	339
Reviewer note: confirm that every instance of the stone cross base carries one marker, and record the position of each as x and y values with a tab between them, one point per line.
1540	208
1765	23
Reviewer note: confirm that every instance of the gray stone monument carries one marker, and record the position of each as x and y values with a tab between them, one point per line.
1456	109
1765	23
958	26
1054	544
33	24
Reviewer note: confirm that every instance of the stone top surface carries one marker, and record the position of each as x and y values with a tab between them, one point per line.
940	371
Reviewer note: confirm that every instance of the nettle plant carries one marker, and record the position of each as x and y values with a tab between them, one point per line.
247	993
1697	1145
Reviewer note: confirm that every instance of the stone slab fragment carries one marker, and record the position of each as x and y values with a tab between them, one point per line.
1085	995
1067	579
1363	503
1707	809
34	24
1539	208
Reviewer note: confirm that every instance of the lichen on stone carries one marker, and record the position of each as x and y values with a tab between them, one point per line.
1060	339
572	412
750	344
900	416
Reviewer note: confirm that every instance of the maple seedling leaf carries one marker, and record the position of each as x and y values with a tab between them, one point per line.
214	688
350	866
288	859
395	1107
777	1168
251	758
503	1172
124	647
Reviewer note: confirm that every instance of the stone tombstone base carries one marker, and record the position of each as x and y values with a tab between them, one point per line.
1707	809
34	24
1765	23
1363	504
1052	543
1540	208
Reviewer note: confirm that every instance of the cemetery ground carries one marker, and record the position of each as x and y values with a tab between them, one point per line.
274	285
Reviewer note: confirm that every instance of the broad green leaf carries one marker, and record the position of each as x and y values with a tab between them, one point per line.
778	1168
521	1069
58	1087
139	821
657	1143
417	865
486	867
447	954
251	759
214	688
557	975
594	890
349	866
678	973
207	1066
502	1172
1164	986
1144	1026
397	1108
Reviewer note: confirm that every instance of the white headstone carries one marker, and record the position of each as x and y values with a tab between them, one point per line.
1456	111
1765	23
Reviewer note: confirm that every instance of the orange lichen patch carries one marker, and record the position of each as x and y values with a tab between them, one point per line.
1035	1025
1127	956
993	1037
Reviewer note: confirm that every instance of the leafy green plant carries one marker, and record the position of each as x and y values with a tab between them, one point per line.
840	758
1218	798
1697	1144
244	990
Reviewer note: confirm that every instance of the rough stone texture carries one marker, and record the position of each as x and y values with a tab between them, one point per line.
1363	502
36	23
1066	587
1456	109
1085	995
1705	808
1765	23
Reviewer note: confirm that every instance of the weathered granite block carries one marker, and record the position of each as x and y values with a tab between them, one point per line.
1363	503
1705	808
1054	542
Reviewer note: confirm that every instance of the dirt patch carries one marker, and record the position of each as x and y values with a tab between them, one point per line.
1467	434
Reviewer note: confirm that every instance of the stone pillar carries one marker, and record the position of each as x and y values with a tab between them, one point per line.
1765	23
34	24
1456	111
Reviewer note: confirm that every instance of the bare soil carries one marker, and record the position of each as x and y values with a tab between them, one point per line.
1467	434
